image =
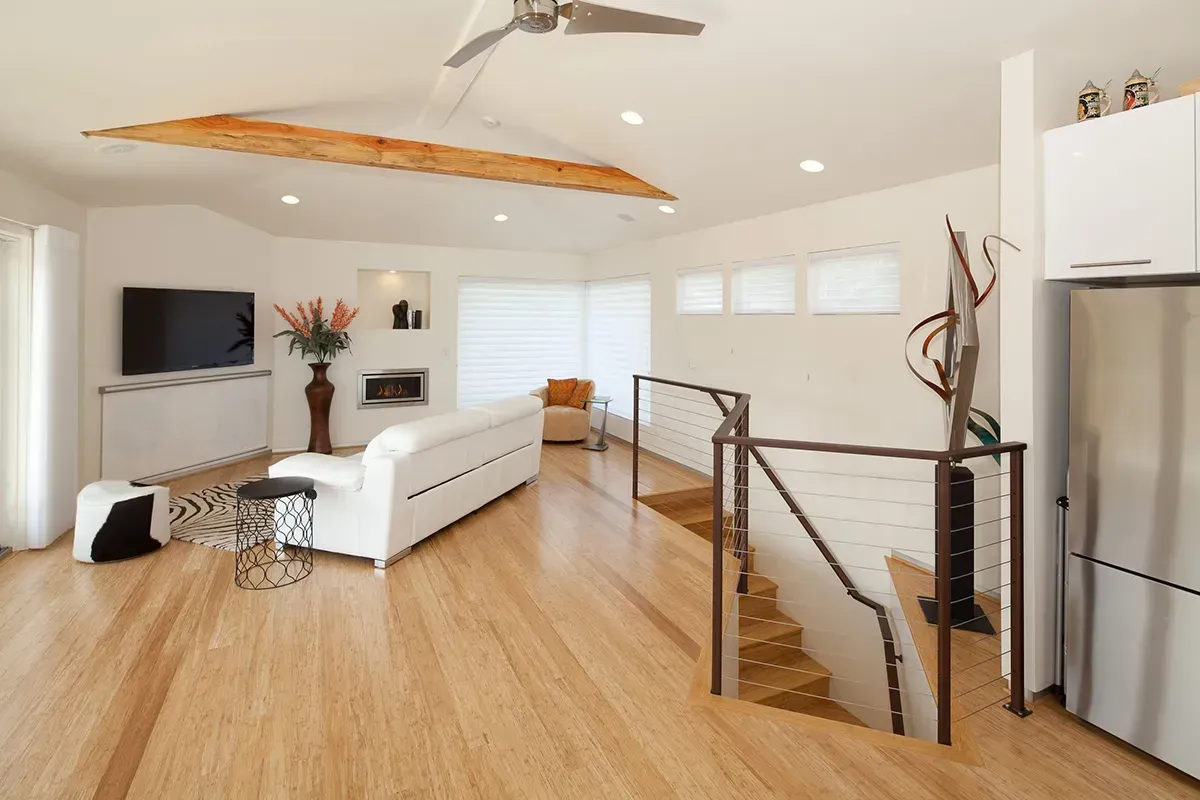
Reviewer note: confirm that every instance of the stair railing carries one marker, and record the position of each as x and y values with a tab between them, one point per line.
731	536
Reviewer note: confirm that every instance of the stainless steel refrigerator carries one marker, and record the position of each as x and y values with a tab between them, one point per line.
1133	568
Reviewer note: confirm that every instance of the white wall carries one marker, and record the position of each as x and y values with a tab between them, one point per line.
831	378
306	268
178	247
24	201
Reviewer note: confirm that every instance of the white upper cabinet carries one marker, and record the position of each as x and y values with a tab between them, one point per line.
1121	194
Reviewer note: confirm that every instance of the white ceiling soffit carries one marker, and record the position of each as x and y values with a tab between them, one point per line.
882	93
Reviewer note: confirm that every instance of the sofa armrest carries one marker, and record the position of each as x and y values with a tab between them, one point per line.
340	473
543	393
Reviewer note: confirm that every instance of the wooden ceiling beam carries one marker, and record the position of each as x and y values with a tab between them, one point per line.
339	147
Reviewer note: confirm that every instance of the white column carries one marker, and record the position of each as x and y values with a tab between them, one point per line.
1034	347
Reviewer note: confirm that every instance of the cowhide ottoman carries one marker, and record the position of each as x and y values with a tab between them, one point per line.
115	520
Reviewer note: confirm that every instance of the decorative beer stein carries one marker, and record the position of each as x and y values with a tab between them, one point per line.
1093	102
1140	91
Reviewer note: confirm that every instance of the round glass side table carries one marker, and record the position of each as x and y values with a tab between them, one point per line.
600	445
274	532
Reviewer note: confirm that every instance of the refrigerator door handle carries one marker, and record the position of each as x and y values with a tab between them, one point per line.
1135	263
1060	597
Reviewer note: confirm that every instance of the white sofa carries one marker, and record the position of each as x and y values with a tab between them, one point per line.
416	478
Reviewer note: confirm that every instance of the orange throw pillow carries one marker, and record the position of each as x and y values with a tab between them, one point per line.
561	391
580	394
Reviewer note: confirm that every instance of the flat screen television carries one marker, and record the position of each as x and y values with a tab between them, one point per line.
170	330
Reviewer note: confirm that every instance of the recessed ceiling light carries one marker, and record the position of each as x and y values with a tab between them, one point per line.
1077	154
501	218
117	149
666	209
290	199
632	117
812	166
391	272
490	122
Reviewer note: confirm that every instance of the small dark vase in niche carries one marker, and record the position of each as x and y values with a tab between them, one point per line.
400	316
416	319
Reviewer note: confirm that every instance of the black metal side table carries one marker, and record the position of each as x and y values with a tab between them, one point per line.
274	532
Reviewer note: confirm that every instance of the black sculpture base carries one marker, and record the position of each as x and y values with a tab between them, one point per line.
976	623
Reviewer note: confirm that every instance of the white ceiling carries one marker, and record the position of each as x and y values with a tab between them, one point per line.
882	92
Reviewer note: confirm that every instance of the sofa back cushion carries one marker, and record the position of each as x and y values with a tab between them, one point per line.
426	434
510	409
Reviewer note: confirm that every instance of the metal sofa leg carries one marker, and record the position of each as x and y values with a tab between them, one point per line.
385	564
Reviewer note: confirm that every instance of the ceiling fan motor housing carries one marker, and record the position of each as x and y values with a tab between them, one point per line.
536	16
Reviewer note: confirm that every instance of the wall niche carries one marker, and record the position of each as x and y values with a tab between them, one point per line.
379	290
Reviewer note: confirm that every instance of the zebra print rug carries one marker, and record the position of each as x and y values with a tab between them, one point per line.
209	516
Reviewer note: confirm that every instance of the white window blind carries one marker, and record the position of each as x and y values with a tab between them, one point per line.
860	280
514	334
618	338
700	291
765	287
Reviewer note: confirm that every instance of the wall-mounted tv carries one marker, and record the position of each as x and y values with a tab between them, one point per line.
169	330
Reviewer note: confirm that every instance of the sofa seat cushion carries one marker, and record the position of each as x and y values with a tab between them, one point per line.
511	409
566	424
426	434
340	473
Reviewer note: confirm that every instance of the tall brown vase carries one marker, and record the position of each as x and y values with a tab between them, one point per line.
320	398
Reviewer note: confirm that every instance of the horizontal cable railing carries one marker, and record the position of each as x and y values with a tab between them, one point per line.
875	525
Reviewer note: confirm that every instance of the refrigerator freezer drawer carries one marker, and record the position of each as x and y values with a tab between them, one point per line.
1133	660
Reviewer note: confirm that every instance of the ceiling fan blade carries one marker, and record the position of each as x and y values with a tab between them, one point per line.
564	10
479	44
592	18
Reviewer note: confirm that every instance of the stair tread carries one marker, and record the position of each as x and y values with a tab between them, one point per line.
832	710
770	685
759	586
769	626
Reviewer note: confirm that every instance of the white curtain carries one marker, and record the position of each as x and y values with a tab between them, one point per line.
16	290
700	291
52	458
618	338
765	287
514	334
859	280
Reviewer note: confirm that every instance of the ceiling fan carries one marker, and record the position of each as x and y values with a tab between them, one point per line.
542	16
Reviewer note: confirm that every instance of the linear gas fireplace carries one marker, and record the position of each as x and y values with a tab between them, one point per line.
393	387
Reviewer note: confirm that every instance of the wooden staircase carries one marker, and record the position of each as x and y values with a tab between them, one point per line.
773	669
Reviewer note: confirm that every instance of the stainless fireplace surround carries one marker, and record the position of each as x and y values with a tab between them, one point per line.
378	388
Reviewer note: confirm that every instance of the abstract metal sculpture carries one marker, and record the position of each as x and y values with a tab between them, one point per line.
955	370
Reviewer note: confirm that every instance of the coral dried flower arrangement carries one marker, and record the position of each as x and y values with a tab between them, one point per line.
313	334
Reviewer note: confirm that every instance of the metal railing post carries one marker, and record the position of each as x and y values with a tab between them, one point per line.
718	564
944	552
637	400
1016	533
741	502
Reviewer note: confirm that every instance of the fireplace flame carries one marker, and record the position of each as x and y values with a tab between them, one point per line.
391	390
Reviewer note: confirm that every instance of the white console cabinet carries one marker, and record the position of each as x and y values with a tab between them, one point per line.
1120	194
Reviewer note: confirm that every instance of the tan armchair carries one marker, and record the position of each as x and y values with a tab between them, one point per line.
566	423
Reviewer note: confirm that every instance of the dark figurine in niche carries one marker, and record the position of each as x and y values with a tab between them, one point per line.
400	316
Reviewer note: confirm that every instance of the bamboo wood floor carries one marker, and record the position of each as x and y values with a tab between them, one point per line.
543	647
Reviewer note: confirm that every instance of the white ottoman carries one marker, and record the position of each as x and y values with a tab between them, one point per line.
115	520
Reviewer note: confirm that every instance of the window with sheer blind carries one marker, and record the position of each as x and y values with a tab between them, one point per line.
765	287
514	334
700	291
618	338
860	280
